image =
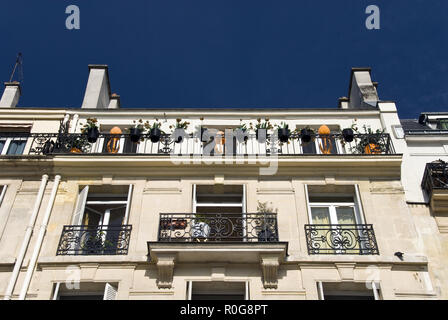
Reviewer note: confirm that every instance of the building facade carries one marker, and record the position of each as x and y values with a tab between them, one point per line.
219	209
424	177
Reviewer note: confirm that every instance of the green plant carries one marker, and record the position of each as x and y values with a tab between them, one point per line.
282	125
263	207
367	137
155	125
180	125
140	125
90	124
242	126
261	125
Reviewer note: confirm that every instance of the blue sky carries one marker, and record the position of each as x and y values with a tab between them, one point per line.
229	53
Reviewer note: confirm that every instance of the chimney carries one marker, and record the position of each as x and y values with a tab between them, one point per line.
11	95
362	92
97	95
114	101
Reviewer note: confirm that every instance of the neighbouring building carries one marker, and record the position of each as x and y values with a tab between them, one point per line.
425	180
306	210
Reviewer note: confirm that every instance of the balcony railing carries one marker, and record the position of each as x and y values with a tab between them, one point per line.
435	176
94	240
108	144
341	239
224	227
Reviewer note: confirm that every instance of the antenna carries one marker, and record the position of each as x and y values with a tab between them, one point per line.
19	63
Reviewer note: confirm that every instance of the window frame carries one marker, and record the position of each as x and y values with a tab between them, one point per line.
8	141
2	193
356	205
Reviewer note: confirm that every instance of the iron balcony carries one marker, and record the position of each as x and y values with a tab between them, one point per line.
94	240
222	227
332	144
341	239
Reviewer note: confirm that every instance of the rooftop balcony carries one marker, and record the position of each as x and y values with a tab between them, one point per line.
189	144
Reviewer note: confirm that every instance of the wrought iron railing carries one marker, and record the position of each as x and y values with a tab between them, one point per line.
435	176
341	239
94	240
223	227
69	143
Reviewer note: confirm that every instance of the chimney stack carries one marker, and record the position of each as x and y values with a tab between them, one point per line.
362	92
11	95
98	94
114	101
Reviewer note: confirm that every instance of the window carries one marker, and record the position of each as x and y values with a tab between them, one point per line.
348	291
219	212
322	145
85	291
2	193
216	145
442	124
334	207
108	143
337	223
217	290
12	143
99	224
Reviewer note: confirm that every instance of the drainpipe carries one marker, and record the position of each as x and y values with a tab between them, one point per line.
26	240
37	247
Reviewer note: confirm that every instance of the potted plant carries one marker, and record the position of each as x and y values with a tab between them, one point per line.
261	129
306	135
266	231
283	132
154	131
348	134
240	131
370	142
91	130
136	132
78	144
179	130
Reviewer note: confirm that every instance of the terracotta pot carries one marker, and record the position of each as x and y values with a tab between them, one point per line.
372	148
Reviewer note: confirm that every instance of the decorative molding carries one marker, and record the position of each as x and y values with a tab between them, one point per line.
269	267
346	271
218	274
275	191
162	190
165	268
292	292
150	293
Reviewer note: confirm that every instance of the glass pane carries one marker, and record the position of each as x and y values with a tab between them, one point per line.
309	148
16	147
129	146
345	215
320	215
443	125
321	237
2	144
327	145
